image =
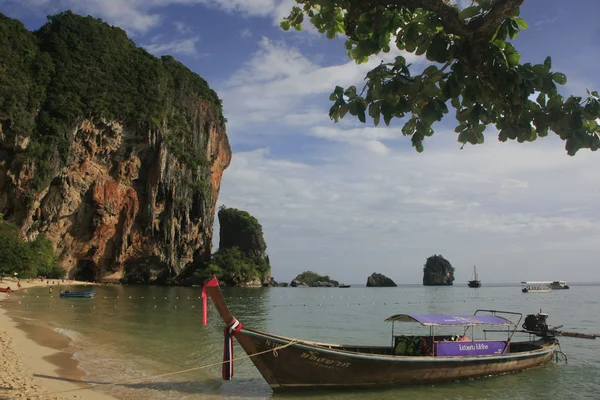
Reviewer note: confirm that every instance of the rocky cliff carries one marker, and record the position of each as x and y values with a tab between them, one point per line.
242	258
438	271
380	280
114	155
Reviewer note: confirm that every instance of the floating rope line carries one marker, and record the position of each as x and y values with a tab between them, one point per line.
137	380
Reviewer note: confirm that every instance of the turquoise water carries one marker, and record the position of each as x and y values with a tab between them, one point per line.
141	331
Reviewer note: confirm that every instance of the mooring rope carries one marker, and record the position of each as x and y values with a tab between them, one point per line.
137	380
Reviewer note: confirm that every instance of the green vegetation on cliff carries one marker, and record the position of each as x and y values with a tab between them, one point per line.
28	259
242	256
312	279
78	67
438	271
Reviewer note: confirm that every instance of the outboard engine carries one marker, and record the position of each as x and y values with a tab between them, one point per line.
536	323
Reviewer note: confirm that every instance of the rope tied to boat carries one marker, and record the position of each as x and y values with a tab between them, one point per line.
229	332
148	378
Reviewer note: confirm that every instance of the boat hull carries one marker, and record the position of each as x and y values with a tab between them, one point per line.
304	366
78	294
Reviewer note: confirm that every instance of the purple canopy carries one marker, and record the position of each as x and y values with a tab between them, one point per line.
451	320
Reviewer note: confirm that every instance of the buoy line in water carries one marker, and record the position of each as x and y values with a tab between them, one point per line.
235	306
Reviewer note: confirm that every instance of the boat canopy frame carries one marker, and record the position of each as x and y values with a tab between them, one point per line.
468	321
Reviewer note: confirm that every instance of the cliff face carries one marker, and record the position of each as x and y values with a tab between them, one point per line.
125	185
380	280
438	271
240	229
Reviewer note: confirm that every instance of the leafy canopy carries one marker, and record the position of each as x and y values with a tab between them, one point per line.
474	68
27	259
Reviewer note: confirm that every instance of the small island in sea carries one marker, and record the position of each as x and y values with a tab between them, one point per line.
438	271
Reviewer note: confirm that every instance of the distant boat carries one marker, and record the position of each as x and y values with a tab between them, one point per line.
536	287
343	285
474	282
67	293
559	285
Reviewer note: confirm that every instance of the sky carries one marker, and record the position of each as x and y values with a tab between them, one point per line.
349	199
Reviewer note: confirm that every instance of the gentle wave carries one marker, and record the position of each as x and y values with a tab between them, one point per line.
71	335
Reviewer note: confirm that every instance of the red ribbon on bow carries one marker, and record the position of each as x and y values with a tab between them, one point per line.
213	282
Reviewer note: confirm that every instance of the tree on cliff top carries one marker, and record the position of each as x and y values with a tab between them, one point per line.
438	271
473	65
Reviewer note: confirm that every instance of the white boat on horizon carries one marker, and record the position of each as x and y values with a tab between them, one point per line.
536	287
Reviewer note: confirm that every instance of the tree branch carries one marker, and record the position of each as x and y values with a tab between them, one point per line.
501	10
442	8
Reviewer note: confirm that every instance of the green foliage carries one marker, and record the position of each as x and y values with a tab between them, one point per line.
474	68
438	271
240	229
310	278
28	259
78	67
234	267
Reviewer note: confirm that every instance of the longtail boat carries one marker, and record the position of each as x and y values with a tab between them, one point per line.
293	364
88	294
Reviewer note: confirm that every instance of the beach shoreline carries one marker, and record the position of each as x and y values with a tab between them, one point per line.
37	362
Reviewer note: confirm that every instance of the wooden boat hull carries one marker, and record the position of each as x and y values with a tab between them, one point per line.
304	366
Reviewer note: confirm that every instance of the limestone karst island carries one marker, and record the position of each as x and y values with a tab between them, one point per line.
251	199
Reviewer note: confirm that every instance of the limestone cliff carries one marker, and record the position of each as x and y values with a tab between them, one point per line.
380	280
114	155
242	255
438	271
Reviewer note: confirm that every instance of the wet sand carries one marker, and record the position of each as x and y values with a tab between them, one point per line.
38	363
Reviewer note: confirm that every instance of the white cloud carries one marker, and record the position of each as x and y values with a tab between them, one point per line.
279	83
245	33
185	47
503	206
138	16
182	28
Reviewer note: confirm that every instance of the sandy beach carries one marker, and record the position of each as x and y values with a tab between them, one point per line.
35	362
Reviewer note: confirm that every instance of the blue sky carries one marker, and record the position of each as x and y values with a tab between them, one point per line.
349	199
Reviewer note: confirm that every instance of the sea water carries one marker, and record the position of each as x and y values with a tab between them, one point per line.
140	332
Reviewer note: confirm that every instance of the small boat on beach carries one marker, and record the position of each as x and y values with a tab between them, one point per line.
6	290
295	364
474	283
88	294
536	287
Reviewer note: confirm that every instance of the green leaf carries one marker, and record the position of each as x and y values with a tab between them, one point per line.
541	99
559	78
360	111
521	23
469	12
285	25
513	59
351	92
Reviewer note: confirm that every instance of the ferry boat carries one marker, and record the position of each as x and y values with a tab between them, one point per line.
559	285
536	287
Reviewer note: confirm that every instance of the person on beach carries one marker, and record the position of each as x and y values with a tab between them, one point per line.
50	290
19	284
